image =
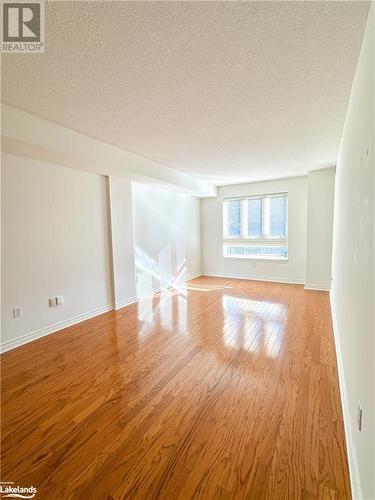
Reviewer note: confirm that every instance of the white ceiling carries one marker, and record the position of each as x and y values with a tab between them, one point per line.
227	91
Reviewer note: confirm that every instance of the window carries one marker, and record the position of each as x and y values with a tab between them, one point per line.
256	227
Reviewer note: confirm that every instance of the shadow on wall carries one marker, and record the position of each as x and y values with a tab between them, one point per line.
165	270
166	238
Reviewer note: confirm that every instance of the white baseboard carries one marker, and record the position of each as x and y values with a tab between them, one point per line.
352	456
126	302
193	276
255	278
42	332
313	286
188	278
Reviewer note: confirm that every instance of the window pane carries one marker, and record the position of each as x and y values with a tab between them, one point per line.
254	217
278	216
255	251
234	218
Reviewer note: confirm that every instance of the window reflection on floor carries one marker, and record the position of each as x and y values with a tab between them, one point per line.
166	308
181	313
253	325
166	311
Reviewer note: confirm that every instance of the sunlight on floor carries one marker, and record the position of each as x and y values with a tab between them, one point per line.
205	288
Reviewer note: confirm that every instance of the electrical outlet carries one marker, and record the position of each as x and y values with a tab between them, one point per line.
59	300
52	301
17	312
359	416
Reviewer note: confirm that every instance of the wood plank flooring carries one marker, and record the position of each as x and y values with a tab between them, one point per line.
225	389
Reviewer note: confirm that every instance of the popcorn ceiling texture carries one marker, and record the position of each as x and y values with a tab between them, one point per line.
229	91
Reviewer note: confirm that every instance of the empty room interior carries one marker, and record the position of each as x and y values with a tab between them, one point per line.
187	250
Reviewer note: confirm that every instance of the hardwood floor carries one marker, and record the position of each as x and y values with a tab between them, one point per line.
228	389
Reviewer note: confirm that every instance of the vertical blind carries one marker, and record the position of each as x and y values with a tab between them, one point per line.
234	218
254	217
278	216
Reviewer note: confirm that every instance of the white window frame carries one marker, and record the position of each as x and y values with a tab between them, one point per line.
254	241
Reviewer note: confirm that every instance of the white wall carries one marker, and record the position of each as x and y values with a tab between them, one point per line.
81	235
320	198
352	293
293	270
166	236
55	241
122	234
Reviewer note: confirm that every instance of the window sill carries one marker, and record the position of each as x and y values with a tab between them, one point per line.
254	257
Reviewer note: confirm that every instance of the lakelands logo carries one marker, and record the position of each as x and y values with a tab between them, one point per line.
23	27
9	490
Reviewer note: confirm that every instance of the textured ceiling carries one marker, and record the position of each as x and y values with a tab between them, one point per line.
228	91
